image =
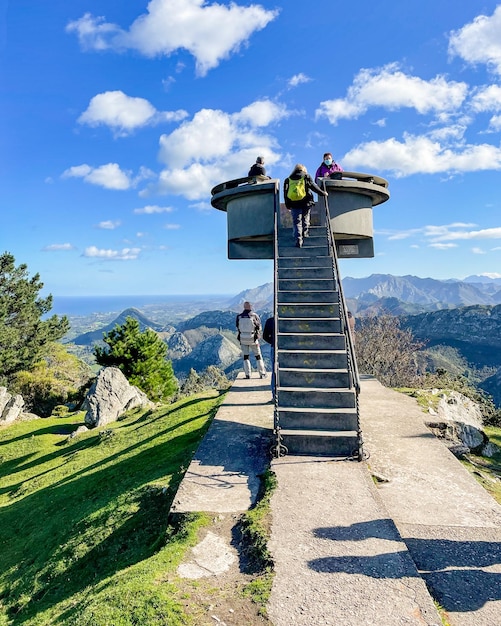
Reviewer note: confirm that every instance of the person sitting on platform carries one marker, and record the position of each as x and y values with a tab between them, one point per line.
258	168
328	169
299	199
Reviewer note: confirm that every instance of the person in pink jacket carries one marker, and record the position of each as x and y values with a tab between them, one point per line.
328	169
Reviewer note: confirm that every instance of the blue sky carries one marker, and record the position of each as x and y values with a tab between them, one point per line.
119	117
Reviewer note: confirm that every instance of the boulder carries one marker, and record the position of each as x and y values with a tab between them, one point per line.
11	407
110	396
460	421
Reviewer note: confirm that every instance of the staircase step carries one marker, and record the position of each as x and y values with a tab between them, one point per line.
306	251
285	297
318	419
321	443
308	310
316	359
311	341
306	284
304	262
303	325
316	397
304	273
316	378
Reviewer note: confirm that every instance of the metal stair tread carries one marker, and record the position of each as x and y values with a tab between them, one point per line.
306	351
318	433
320	370
320	390
327	410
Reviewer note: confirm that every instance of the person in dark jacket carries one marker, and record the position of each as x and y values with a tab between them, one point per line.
269	337
300	209
258	168
328	169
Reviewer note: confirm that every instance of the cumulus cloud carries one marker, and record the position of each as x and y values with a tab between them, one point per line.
215	145
126	254
478	251
109	224
209	32
422	155
442	246
390	88
298	79
58	246
151	209
479	41
124	114
109	176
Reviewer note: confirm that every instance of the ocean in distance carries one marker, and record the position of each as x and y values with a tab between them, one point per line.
87	305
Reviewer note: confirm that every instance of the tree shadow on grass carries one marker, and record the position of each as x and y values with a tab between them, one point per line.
53	519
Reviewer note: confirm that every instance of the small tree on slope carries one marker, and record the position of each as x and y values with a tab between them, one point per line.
24	336
141	358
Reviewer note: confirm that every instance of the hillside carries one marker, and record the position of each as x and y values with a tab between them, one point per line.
92	513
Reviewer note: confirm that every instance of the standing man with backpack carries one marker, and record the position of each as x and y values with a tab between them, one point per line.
299	199
248	326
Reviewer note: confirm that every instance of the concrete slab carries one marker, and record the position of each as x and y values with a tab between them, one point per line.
223	476
339	559
450	524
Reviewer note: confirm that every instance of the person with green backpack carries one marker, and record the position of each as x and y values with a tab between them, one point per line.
298	197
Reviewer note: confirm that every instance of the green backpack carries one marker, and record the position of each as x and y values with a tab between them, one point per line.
297	189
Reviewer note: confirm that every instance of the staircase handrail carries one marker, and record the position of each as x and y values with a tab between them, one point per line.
343	309
277	450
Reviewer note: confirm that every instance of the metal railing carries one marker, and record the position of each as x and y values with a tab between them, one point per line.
353	374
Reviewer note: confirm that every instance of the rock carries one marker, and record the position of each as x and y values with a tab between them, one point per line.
110	396
462	419
490	449
11	407
81	429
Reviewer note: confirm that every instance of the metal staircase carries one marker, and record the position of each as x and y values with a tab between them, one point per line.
316	403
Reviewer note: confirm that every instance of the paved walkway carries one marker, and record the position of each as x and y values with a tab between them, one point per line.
346	552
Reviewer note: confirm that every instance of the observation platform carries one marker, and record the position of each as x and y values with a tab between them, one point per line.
251	203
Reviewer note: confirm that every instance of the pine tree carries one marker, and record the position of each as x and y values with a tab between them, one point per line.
141	358
24	335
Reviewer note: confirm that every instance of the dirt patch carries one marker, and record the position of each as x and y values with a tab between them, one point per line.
222	598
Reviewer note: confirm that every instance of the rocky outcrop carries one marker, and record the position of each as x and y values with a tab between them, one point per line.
179	346
110	396
459	422
11	407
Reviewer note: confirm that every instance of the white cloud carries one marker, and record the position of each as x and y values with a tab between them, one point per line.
210	32
298	79
109	176
442	246
172	226
388	87
109	224
124	113
487	99
126	254
479	41
260	113
485	233
150	209
422	155
478	251
58	246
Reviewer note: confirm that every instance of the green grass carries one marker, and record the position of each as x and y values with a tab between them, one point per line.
85	533
487	470
255	528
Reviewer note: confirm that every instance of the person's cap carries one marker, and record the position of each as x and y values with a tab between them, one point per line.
260	159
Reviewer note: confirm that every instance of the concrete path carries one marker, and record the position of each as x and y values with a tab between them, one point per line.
345	550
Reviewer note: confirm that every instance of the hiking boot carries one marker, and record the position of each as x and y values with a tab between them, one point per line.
299	244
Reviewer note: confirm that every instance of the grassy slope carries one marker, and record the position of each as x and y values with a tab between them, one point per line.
85	537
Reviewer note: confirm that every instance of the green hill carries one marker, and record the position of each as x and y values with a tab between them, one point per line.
86	538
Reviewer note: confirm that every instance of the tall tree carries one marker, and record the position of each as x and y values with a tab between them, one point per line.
141	358
24	335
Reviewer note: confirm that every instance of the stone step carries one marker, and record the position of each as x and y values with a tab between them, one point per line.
285	297
304	262
304	326
306	284
315	397
311	341
316	359
318	419
306	251
316	378
305	273
320	443
308	310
